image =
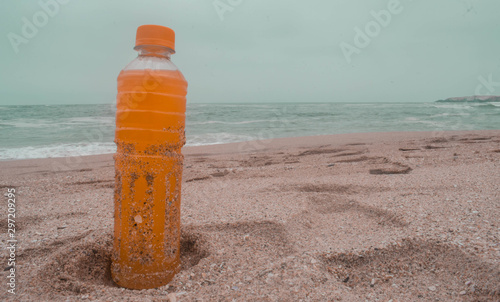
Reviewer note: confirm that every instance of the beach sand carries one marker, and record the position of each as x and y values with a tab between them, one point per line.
351	217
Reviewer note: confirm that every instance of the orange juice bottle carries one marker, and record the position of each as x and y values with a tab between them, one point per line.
150	121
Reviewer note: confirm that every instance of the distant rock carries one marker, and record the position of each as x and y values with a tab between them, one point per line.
474	98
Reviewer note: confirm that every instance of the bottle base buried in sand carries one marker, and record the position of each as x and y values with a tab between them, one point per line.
150	122
147	251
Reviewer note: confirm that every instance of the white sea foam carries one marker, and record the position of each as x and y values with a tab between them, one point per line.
83	149
433	124
90	120
217	138
57	150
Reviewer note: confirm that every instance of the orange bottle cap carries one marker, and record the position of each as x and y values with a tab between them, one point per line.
155	35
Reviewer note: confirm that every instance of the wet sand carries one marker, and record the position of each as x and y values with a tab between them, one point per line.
351	217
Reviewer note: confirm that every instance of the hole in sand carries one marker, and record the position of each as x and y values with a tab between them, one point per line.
193	249
412	266
332	204
85	266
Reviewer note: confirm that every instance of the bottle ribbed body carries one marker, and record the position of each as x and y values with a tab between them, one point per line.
150	123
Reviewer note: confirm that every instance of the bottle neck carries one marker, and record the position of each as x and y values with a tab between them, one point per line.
154	51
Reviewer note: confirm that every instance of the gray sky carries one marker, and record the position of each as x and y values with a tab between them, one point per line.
256	51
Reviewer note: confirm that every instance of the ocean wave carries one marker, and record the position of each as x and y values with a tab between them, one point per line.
83	149
360	104
57	150
450	114
46	123
2	125
453	106
88	120
493	105
217	138
230	123
432	124
223	106
25	123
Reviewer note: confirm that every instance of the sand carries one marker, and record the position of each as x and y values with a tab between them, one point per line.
351	217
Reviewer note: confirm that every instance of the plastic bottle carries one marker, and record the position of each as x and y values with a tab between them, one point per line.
150	121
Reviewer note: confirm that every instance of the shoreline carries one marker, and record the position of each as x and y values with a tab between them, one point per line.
407	216
276	143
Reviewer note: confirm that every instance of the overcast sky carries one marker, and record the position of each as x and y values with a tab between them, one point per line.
256	51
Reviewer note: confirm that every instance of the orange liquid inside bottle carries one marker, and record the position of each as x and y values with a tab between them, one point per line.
150	122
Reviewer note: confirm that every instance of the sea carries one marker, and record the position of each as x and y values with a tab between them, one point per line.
43	131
